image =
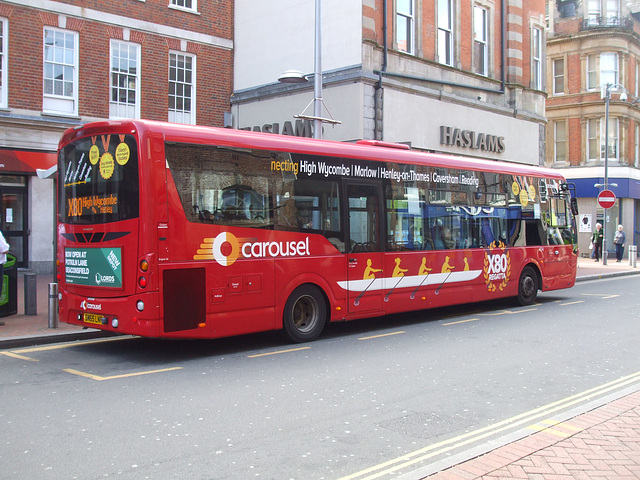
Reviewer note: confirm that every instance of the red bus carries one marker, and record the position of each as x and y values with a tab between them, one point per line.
168	230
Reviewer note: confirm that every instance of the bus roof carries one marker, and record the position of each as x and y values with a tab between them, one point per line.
376	151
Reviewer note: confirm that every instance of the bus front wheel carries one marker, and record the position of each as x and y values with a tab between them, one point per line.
305	314
527	286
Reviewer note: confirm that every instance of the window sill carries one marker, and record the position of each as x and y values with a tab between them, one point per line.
182	9
70	116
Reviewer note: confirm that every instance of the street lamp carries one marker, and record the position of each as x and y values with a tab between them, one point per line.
606	94
295	76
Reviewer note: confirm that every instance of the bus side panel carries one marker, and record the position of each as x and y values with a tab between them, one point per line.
240	297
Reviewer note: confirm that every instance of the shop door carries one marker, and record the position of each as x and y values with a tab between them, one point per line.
364	259
13	219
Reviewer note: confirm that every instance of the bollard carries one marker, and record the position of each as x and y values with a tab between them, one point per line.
30	294
633	255
53	305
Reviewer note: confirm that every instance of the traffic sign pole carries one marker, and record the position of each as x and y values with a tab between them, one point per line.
606	199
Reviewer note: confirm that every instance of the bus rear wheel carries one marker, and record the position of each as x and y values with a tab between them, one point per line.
527	286
305	314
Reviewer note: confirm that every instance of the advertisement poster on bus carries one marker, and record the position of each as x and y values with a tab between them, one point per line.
95	267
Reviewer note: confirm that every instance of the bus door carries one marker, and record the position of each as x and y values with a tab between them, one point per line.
558	224
365	272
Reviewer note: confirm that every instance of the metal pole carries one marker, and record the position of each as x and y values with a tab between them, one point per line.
317	77
53	305
606	169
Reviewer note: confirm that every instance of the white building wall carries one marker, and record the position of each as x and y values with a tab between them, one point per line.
344	103
269	42
42	216
415	118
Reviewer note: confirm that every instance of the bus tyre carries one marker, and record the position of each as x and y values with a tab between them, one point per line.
304	314
527	286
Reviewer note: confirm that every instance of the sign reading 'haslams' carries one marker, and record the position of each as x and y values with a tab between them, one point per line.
95	267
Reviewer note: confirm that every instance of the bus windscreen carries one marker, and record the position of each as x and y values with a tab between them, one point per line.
100	175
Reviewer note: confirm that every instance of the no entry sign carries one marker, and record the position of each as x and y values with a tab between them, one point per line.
606	199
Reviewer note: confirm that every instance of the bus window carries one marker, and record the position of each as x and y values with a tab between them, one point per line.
99	180
405	226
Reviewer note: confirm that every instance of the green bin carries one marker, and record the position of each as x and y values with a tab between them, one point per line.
9	297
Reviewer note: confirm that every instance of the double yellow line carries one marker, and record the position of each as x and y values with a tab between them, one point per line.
532	416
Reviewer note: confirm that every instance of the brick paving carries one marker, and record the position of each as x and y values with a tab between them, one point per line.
603	444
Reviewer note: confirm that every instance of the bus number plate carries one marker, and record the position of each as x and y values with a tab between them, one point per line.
92	318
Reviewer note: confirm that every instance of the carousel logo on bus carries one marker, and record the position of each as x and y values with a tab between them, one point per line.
226	248
90	306
497	267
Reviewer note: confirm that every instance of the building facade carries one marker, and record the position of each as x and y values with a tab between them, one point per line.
457	76
63	64
592	44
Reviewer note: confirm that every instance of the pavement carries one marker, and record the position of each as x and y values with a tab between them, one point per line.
602	442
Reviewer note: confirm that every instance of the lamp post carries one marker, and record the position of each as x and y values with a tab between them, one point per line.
606	92
295	76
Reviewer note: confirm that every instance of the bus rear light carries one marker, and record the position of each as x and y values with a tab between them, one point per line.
142	282
144	265
114	322
140	305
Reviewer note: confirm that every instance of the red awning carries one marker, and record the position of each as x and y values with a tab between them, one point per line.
24	161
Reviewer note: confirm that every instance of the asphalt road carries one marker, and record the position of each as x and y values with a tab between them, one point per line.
370	399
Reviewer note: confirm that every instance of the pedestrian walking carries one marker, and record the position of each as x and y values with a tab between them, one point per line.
4	248
596	239
619	241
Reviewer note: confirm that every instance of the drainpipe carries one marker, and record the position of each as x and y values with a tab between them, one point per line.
503	39
377	117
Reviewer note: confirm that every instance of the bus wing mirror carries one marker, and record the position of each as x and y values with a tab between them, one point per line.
574	206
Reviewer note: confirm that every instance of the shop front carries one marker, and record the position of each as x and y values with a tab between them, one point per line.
26	212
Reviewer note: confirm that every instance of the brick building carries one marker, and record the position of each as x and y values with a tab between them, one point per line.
590	44
415	71
63	64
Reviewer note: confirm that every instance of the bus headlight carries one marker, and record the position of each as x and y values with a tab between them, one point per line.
114	322
140	305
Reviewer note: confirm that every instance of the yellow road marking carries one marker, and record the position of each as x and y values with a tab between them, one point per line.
100	379
70	345
461	321
556	428
278	352
572	303
382	335
391	466
21	357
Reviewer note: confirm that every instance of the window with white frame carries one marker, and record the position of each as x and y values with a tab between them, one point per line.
405	29
560	141
480	40
184	4
593	140
124	101
608	68
613	139
182	97
558	76
536	58
592	72
593	12
445	32
60	89
602	69
4	72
